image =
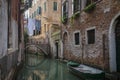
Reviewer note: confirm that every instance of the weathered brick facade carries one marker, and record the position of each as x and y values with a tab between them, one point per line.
100	18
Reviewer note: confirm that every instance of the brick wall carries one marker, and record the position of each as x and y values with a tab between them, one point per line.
92	54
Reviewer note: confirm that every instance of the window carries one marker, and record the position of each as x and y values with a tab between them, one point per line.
33	32
35	13
65	9
76	5
77	38
90	1
32	15
29	3
91	36
39	10
45	6
55	6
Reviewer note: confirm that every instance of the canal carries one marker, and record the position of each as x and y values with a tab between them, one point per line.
38	67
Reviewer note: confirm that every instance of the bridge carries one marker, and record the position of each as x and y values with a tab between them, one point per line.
40	47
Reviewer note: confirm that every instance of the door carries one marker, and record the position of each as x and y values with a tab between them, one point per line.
56	49
117	32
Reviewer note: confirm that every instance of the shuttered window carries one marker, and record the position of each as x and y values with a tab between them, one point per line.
77	5
55	6
39	10
65	9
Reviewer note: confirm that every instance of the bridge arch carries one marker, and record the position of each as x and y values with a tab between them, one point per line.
39	47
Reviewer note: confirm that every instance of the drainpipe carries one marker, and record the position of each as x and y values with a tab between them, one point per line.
61	34
103	47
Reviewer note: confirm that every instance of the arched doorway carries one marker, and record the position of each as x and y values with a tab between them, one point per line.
114	44
117	40
65	43
57	47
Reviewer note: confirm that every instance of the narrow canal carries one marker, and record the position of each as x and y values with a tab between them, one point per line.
39	68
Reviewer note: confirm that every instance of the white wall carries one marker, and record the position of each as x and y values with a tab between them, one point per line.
3	28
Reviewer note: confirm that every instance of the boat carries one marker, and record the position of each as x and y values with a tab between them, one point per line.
72	64
87	72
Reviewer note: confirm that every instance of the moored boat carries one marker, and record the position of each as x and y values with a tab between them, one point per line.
87	72
72	64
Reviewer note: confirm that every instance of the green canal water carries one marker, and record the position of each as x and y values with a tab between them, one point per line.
40	68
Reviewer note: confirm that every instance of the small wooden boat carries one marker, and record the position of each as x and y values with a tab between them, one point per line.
87	73
72	64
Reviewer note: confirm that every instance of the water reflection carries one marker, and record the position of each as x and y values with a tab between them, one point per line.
39	68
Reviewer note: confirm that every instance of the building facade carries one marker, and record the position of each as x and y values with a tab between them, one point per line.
11	37
90	32
49	13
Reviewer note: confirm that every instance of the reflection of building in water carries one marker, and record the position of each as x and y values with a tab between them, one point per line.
46	70
35	69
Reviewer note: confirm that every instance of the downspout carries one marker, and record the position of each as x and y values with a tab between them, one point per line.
61	34
82	61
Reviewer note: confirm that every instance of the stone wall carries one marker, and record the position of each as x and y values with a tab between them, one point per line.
96	54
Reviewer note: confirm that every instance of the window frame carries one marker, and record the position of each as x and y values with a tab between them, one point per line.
74	38
55	6
86	33
67	7
79	5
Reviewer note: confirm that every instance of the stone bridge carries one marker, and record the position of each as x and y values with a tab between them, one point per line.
43	47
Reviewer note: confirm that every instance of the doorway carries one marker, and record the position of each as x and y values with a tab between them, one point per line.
56	44
114	44
65	43
117	40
